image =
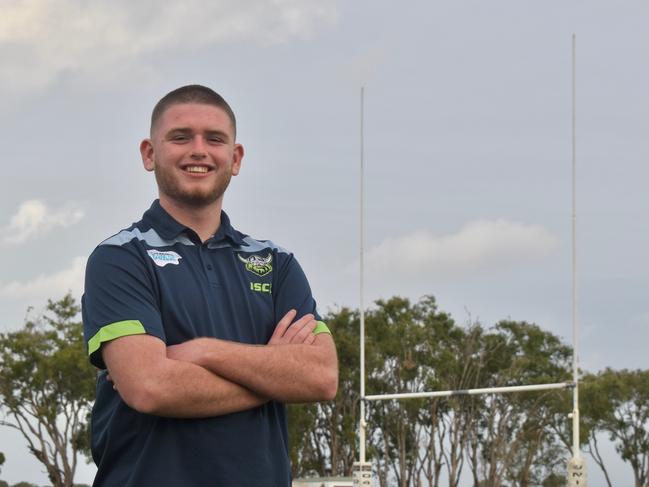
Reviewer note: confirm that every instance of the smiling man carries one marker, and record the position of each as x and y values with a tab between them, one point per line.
201	333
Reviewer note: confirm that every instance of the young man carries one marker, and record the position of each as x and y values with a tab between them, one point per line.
200	331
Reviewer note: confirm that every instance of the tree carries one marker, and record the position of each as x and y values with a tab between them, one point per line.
411	347
626	417
615	403
595	405
46	388
513	440
394	338
323	435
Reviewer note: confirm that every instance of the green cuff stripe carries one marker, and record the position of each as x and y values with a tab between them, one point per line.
114	330
321	328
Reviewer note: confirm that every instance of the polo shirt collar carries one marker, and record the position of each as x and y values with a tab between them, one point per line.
168	228
226	231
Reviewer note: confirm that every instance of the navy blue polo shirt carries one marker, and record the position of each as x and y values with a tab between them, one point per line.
157	277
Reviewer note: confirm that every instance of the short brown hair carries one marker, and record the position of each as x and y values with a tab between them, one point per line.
192	94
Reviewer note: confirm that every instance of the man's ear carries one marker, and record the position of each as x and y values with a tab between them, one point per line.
237	156
146	150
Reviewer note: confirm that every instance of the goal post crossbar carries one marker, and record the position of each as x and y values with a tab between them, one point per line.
470	392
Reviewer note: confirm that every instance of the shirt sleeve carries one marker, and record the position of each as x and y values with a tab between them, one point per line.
119	299
292	291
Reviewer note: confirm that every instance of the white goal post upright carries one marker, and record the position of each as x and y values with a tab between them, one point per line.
362	473
576	465
575	350
362	307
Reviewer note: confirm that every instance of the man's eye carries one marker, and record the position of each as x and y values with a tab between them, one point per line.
215	140
179	137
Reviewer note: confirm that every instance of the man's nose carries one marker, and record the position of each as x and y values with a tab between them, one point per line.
198	147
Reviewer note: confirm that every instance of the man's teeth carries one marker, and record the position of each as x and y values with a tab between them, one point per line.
196	169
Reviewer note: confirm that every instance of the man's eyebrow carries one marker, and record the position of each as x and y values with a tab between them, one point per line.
179	130
220	133
187	130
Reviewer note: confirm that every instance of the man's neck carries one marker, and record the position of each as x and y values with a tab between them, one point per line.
205	220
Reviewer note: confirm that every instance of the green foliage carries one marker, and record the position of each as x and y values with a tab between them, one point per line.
46	387
520	439
323	435
414	347
617	402
554	480
510	437
407	348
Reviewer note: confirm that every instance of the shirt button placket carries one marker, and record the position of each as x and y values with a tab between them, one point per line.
206	258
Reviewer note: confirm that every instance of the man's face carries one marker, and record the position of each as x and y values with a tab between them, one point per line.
193	154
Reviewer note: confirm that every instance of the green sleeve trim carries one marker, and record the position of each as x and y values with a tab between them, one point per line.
114	330
321	328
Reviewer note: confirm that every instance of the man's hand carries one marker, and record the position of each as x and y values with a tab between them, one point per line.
300	332
189	351
286	332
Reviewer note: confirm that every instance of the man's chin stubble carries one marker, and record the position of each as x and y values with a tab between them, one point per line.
195	199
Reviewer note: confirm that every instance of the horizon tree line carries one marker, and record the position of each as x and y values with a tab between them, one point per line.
497	440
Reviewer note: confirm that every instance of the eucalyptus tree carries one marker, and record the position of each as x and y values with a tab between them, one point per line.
323	436
513	441
625	416
47	386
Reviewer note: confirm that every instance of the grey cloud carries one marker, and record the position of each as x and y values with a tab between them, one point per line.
40	40
34	218
44	286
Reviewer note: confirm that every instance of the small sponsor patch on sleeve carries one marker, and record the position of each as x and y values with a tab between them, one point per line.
161	259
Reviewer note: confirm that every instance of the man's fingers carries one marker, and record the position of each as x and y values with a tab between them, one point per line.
281	327
285	322
296	327
307	330
298	332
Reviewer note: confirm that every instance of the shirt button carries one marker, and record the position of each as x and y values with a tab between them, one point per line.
209	267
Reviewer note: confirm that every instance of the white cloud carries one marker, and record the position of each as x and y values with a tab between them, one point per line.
40	39
479	246
34	218
45	286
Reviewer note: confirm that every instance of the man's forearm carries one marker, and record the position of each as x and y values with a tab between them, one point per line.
190	391
150	382
288	373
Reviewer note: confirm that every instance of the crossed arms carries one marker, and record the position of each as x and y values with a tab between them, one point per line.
209	377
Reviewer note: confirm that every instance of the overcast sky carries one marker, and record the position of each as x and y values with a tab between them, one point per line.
468	146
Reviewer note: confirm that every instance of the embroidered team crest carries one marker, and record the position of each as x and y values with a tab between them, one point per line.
257	264
161	259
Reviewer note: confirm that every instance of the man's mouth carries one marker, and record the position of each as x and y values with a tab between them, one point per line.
197	169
